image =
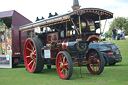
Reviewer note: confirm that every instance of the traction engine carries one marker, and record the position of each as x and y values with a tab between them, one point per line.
63	41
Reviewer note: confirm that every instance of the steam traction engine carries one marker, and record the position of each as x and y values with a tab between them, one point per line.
63	41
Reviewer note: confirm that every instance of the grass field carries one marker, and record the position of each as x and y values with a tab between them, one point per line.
112	75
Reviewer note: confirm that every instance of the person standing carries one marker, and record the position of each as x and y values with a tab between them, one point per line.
123	33
114	33
118	34
105	35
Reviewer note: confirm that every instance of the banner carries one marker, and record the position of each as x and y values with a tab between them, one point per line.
5	61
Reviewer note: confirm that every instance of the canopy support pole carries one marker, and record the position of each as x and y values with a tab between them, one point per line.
105	25
100	23
79	24
75	26
66	29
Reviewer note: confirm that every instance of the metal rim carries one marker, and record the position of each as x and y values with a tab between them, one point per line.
62	66
94	66
30	55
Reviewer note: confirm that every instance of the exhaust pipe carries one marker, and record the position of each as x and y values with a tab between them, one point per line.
75	5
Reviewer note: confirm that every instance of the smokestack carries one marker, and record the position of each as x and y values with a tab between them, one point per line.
75	5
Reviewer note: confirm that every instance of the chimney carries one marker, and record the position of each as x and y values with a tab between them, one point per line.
75	5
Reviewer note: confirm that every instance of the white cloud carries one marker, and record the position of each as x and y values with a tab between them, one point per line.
33	8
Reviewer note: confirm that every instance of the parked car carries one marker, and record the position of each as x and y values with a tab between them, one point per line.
110	51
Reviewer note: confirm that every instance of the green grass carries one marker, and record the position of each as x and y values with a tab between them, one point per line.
112	75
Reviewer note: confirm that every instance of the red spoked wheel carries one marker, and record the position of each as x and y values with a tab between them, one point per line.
97	62
32	55
64	65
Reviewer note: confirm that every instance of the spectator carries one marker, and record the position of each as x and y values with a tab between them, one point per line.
103	38
122	33
105	35
118	34
110	40
114	33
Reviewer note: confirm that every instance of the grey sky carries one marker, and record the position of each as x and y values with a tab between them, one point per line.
33	8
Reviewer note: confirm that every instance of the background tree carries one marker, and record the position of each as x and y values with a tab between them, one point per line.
108	34
117	23
126	30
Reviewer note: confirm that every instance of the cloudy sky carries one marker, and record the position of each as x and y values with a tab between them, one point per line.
33	8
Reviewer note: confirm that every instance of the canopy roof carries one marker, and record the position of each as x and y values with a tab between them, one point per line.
94	13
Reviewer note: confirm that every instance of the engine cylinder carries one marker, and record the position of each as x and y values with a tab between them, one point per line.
74	47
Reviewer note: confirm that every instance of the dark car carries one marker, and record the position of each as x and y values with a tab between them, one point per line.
110	51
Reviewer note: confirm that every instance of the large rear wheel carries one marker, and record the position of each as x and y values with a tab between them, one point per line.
32	55
97	61
64	65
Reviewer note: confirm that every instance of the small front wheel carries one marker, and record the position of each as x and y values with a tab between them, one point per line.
97	61
64	65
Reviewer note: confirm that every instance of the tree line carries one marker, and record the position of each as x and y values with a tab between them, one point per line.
117	23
